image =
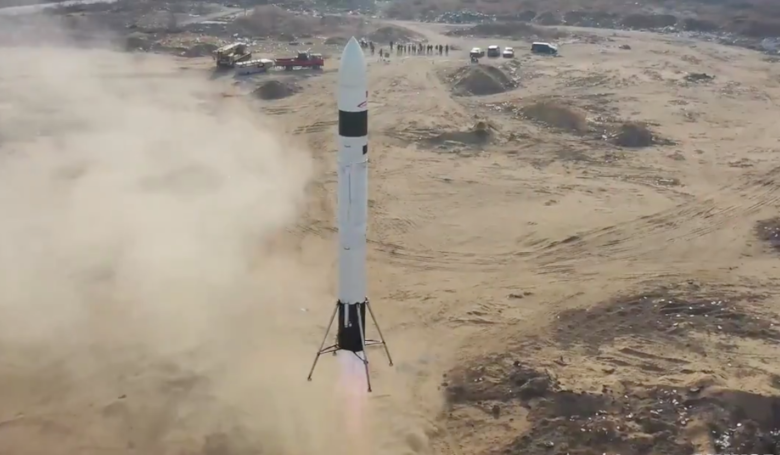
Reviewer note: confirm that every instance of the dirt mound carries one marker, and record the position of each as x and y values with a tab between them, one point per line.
699	77
515	30
479	80
275	90
394	34
335	41
557	115
635	135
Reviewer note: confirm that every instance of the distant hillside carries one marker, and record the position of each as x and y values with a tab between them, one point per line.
752	18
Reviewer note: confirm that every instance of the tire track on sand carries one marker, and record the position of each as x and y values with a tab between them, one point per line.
683	223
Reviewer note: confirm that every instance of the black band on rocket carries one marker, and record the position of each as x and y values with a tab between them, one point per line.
353	124
351	319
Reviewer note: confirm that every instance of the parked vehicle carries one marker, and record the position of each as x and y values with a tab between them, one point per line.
544	48
508	52
258	66
227	56
303	60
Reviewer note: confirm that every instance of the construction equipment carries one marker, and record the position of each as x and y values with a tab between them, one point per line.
257	66
304	59
227	56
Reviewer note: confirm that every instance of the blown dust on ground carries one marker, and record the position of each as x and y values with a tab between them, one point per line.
168	264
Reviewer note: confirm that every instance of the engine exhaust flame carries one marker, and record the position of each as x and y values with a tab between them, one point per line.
354	388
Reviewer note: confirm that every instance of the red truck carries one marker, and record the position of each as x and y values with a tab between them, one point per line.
303	60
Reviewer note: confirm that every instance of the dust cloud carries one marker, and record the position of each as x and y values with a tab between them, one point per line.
142	307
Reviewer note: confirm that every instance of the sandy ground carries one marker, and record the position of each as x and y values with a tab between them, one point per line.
168	255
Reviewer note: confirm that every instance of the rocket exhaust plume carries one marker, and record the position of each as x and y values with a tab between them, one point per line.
350	311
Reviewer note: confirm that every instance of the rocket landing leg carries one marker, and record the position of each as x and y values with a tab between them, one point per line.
351	335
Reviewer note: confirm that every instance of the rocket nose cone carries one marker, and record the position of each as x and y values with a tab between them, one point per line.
352	70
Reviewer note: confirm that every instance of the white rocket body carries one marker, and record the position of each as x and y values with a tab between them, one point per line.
353	305
352	190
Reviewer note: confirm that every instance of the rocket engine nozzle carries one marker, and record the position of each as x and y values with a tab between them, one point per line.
351	334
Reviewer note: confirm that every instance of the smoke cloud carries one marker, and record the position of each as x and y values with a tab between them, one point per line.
143	307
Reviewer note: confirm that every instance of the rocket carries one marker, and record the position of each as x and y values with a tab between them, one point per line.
352	162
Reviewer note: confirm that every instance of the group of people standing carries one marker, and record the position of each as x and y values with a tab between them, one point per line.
420	49
407	49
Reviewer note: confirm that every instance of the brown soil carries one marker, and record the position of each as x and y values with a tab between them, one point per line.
479	80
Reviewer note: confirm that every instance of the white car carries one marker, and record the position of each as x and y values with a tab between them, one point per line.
477	52
508	52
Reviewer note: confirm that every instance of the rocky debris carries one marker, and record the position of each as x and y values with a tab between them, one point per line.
628	417
769	232
635	419
672	314
479	80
